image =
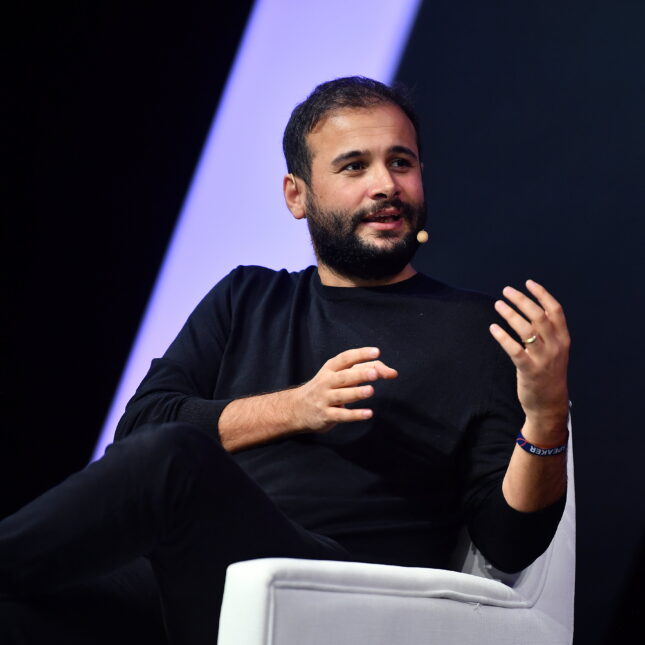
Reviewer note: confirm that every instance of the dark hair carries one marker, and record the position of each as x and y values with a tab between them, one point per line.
348	92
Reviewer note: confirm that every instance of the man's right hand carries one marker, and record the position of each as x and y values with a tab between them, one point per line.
314	406
343	379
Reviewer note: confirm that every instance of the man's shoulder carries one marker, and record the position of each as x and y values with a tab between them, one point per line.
261	276
252	281
261	271
250	285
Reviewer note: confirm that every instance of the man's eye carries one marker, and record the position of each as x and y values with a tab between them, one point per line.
401	163
354	166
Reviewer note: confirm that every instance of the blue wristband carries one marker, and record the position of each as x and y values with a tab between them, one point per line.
536	450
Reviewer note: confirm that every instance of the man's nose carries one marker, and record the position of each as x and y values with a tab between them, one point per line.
384	185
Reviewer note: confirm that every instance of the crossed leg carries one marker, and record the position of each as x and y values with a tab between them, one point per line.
170	493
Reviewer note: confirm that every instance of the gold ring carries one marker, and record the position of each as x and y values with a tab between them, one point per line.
531	340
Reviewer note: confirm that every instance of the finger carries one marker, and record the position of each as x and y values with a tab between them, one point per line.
372	371
346	395
536	315
514	350
345	415
551	306
352	376
385	371
531	310
351	357
382	370
362	373
520	325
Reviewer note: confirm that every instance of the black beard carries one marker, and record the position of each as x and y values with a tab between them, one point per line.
333	234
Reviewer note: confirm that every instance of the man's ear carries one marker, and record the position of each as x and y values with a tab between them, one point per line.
294	195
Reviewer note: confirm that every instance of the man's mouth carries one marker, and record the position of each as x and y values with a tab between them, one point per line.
384	216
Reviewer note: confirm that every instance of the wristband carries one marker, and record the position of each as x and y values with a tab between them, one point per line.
536	450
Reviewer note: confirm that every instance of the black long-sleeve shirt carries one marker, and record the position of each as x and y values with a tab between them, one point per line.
394	488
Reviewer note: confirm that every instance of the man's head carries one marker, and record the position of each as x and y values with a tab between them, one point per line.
341	93
361	191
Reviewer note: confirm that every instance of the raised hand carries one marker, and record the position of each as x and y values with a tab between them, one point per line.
314	406
541	359
319	403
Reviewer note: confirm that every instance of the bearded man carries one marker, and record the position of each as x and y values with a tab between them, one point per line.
355	410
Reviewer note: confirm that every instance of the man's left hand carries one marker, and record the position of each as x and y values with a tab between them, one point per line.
541	359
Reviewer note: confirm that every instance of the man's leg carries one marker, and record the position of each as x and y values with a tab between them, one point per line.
122	607
171	493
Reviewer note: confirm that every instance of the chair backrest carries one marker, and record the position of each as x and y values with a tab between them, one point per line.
560	553
548	584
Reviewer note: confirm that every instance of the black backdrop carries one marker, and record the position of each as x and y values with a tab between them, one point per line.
532	116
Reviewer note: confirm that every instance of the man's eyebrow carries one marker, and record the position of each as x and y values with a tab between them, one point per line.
353	154
345	156
402	150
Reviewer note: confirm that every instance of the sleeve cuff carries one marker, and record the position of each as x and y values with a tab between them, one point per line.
204	413
511	540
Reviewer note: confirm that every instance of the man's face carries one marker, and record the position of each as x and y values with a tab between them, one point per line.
366	203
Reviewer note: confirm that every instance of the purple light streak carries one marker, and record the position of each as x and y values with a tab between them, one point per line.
234	212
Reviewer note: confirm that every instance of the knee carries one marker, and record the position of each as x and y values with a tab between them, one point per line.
177	457
154	445
182	443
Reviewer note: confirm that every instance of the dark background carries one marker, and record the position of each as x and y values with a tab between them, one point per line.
534	140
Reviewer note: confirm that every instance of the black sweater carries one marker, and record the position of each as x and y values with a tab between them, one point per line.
394	488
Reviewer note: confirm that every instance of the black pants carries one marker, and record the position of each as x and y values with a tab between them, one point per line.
71	560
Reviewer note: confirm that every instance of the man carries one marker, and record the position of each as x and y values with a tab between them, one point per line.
354	410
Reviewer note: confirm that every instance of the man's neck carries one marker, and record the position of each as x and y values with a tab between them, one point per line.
332	279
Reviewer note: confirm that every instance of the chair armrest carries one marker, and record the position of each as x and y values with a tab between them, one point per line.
281	601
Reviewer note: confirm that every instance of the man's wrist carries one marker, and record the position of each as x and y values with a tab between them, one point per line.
546	431
540	451
258	419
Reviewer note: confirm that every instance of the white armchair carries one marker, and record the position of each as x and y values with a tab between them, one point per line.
281	601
